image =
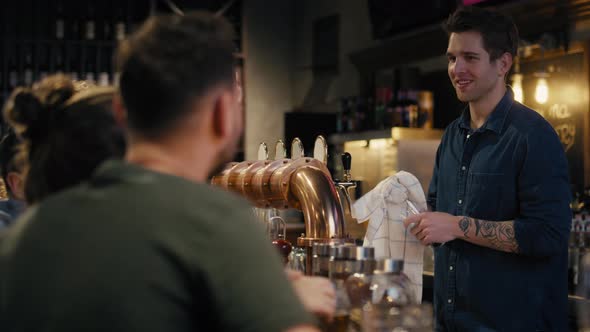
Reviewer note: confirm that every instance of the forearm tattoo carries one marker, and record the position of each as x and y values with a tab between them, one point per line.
495	234
464	226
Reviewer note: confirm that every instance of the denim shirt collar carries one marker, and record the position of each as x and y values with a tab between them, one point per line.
495	121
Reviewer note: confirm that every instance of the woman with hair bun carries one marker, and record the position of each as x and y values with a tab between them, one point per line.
67	129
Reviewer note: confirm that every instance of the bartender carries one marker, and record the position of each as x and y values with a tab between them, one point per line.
500	192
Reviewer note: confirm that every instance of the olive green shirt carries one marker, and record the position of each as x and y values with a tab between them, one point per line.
136	250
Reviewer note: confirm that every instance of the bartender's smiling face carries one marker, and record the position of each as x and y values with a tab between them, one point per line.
472	73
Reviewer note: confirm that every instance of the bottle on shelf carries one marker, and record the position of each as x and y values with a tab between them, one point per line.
74	29
90	22
426	107
27	65
120	25
73	62
104	21
89	70
13	72
57	59
104	66
412	109
43	59
60	21
351	123
342	117
380	109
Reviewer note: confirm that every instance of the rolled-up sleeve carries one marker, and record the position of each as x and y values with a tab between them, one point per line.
543	224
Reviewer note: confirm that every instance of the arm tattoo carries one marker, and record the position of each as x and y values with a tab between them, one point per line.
464	226
477	226
496	234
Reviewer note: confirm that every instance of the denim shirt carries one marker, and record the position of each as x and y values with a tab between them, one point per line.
512	168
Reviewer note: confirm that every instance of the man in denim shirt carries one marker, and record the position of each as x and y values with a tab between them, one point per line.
500	190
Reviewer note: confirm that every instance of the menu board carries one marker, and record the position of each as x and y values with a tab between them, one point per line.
566	107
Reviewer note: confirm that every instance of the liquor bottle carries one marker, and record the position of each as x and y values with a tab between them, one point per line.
89	72
369	114
90	22
120	26
360	113
74	29
90	65
351	116
73	62
341	119
58	59
28	65
412	108
104	22
43	60
60	22
426	107
104	66
379	109
13	79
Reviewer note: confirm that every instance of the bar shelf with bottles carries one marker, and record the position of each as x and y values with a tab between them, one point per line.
77	37
579	241
407	108
72	37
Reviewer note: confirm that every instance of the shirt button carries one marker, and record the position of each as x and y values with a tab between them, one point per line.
449	301
468	135
463	168
460	201
451	267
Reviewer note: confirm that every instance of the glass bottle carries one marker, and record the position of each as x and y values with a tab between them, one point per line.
320	262
358	285
277	229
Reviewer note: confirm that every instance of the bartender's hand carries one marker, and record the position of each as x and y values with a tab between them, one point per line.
433	227
317	295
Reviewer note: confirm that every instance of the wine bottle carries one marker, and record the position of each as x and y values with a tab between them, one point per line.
13	80
90	22
28	65
90	66
58	59
120	26
60	22
73	62
43	60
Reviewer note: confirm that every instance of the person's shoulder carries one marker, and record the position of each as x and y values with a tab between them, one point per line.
528	121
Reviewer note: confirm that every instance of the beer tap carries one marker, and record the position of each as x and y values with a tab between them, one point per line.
342	189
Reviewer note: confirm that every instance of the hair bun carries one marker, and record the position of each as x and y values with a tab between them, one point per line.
60	91
26	109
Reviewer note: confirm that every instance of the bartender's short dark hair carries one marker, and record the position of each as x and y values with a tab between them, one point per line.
498	31
170	61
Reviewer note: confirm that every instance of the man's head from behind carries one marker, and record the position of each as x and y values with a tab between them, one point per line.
175	68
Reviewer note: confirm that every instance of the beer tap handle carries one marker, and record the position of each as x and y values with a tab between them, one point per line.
346	162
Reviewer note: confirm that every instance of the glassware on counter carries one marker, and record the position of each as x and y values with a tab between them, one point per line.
584	293
320	262
277	231
393	304
297	259
345	261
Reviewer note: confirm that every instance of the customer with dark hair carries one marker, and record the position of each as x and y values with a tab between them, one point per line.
147	245
12	168
500	190
67	129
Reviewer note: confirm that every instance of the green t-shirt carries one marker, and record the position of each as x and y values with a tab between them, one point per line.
135	250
